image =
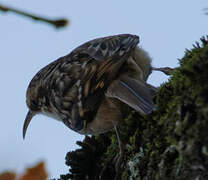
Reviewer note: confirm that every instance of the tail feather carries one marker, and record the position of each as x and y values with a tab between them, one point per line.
136	94
143	103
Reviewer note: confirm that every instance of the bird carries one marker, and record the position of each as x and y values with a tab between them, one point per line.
86	88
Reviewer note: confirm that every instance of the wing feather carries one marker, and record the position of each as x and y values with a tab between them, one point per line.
93	67
106	47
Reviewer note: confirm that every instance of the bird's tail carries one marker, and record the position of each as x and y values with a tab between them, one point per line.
138	95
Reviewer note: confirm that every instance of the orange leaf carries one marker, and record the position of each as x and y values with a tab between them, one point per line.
36	173
7	176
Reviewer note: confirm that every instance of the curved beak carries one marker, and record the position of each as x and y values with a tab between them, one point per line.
28	118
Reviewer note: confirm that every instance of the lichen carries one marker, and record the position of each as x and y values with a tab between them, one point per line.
171	143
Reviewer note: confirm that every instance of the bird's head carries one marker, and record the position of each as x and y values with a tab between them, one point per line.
35	101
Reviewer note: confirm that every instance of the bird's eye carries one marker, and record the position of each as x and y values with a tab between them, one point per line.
82	55
34	106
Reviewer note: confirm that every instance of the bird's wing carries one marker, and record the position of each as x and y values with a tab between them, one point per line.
102	48
86	74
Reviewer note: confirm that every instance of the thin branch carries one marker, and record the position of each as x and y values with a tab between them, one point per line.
205	11
59	23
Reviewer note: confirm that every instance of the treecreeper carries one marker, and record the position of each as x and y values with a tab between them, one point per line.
85	89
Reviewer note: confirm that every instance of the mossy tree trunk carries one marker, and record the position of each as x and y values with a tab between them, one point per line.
170	143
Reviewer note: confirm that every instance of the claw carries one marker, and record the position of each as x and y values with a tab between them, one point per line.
119	160
167	70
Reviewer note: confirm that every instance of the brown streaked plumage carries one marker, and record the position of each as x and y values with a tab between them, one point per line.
85	88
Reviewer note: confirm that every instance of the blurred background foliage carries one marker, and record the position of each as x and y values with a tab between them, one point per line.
38	172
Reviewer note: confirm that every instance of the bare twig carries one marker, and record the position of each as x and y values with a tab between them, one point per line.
205	11
58	23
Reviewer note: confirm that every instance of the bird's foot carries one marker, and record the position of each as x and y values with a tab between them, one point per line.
119	161
166	70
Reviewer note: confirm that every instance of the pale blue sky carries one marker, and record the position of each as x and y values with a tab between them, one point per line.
165	28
